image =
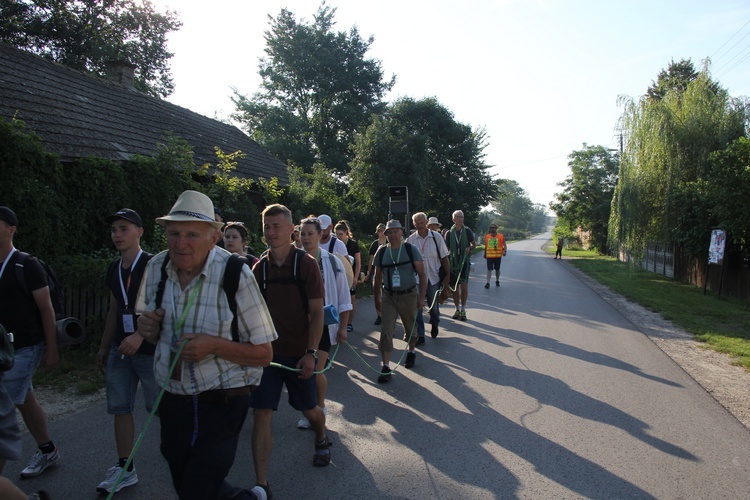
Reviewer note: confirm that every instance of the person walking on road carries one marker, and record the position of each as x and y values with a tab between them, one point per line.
397	266
460	241
558	252
494	250
123	355
377	243
28	314
434	258
186	311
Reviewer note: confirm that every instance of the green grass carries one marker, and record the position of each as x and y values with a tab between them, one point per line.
722	323
77	372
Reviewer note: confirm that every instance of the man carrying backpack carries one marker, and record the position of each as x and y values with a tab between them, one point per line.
397	266
123	355
211	345
31	318
291	282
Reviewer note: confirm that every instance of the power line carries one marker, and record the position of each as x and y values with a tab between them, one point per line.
730	39
531	162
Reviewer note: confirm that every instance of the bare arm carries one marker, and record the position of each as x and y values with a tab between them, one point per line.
51	358
419	266
109	332
200	346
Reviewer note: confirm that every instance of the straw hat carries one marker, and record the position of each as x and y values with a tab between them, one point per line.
191	206
434	220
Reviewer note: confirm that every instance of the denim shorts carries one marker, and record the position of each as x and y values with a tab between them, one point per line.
123	374
302	393
17	380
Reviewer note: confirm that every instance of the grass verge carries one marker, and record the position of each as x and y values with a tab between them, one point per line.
722	323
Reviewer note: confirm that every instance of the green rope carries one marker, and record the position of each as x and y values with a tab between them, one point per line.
148	421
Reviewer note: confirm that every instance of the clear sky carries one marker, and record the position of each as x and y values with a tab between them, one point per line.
542	77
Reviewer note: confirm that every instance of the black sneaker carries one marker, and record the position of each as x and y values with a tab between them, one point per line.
411	358
385	375
378	321
420	341
434	331
497	283
486	285
349	328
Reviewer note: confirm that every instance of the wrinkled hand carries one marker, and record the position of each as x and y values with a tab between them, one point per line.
421	303
130	344
149	324
198	347
307	365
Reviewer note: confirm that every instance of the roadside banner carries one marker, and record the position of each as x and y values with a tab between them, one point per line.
716	250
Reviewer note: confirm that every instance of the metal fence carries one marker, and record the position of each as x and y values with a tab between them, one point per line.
659	258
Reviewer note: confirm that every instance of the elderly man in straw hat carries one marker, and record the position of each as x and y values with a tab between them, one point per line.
397	266
207	393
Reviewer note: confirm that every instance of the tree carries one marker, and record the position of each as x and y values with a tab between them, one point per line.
660	195
318	90
586	198
88	35
419	144
514	208
676	79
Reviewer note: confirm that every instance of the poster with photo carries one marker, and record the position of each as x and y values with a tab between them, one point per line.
716	250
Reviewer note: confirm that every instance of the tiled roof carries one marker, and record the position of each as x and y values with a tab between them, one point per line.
78	115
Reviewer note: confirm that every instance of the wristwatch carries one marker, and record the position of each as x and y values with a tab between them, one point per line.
314	353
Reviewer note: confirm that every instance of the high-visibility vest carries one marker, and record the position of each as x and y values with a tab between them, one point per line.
494	246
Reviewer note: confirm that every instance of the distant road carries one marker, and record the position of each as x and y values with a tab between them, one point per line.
545	392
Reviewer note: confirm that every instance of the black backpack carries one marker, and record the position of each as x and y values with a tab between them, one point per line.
409	253
230	283
294	279
56	292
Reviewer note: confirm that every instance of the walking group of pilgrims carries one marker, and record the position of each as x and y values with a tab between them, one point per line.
222	331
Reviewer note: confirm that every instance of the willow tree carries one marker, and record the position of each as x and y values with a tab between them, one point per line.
659	196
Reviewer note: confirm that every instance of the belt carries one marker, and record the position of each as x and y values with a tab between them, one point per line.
400	292
217	395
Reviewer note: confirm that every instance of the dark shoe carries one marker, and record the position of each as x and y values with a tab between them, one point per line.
385	375
411	358
463	315
378	321
420	341
434	331
456	314
349	328
486	285
321	459
497	283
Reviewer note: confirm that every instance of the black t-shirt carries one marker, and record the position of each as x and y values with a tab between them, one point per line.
374	247
131	281
18	311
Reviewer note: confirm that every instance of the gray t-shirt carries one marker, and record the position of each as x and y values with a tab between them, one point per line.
407	278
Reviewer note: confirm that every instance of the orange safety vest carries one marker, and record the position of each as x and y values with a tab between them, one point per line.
494	246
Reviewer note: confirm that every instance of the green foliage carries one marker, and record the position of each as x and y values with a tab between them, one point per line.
419	144
318	89
675	79
89	34
513	207
661	193
586	198
728	189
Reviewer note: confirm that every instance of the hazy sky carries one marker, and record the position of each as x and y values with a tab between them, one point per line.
541	76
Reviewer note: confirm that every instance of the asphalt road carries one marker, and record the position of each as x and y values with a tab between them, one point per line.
545	392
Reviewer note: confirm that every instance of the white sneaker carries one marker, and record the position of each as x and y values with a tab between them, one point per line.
39	462
259	492
303	423
129	478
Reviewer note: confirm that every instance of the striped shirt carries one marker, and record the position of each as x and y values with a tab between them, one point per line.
433	249
209	314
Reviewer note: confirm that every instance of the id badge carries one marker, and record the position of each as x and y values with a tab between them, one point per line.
128	321
177	372
396	278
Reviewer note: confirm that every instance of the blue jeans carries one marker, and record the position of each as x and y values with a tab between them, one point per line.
432	291
17	380
123	374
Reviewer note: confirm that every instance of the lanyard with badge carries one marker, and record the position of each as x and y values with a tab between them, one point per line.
178	328
128	314
395	275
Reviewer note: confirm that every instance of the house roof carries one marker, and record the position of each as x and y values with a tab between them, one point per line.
78	115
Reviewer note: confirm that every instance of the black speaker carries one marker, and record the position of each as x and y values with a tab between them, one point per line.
397	191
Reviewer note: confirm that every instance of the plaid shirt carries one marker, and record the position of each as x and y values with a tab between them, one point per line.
209	314
431	255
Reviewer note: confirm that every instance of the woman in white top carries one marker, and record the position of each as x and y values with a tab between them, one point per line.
336	295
